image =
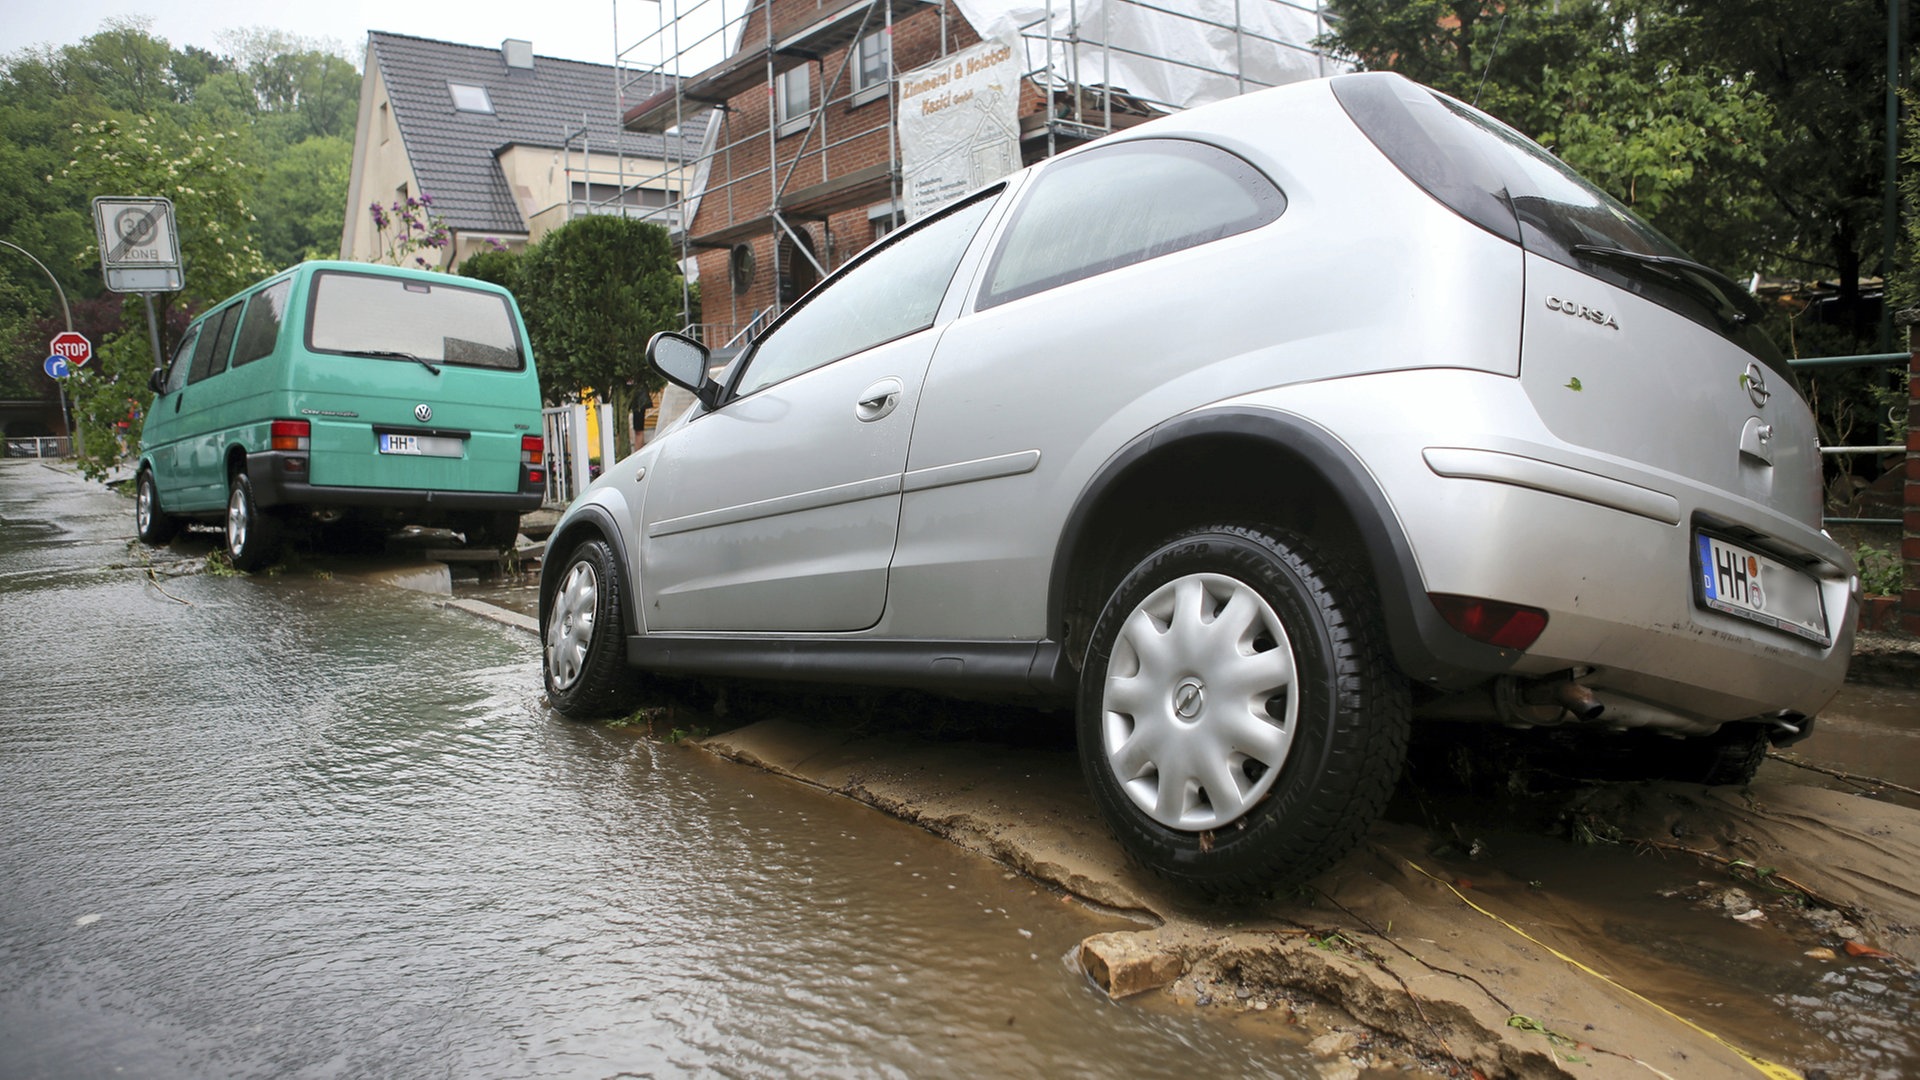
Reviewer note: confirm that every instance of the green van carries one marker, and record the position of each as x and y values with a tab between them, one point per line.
348	394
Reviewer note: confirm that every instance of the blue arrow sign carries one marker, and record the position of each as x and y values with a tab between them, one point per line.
57	367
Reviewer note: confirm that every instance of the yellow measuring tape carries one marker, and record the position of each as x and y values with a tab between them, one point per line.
1767	1068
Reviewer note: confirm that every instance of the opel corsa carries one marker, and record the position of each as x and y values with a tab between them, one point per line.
1259	433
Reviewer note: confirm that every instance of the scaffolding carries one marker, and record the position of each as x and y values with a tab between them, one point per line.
758	184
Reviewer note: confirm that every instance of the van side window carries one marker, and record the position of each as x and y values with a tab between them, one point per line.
182	360
1124	204
216	338
260	329
893	292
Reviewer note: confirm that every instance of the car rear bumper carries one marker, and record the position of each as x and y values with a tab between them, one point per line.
277	482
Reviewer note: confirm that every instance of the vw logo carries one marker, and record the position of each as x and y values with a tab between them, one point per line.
1755	380
423	412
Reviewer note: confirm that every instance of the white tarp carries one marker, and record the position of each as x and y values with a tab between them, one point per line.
959	124
1214	50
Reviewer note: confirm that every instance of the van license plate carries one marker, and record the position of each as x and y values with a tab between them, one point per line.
1749	585
420	445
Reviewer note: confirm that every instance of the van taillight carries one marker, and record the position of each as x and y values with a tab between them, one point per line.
532	449
291	435
1509	626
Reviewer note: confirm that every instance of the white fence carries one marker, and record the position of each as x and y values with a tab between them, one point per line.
568	466
40	446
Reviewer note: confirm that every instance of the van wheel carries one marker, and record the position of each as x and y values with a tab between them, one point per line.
584	658
154	525
1240	723
253	534
496	530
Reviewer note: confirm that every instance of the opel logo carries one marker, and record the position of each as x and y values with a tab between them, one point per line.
1189	698
423	412
1755	380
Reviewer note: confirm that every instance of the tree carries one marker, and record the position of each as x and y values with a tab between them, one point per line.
593	292
208	187
1753	140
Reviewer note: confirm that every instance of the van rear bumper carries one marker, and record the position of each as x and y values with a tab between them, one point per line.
275	485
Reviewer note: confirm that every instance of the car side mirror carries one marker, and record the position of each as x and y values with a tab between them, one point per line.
157	382
684	362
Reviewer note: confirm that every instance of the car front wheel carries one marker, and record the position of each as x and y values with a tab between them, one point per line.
1239	722
155	525
584	653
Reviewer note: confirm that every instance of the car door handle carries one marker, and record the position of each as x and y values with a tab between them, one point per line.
878	400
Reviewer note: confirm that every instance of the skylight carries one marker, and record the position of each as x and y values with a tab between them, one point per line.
470	98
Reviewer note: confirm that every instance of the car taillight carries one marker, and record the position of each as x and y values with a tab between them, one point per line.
291	435
532	449
1509	626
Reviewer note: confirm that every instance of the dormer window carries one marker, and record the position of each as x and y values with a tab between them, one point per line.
470	98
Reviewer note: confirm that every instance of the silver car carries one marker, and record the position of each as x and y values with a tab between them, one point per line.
1258	432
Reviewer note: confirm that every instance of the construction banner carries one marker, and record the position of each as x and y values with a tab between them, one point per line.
959	125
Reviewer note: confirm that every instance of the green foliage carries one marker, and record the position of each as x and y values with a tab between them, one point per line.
207	185
1755	144
1882	572
1905	283
498	266
261	128
593	291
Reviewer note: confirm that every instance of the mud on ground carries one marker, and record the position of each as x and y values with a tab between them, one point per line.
1499	924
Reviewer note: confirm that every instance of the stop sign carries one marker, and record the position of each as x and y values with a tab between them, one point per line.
73	346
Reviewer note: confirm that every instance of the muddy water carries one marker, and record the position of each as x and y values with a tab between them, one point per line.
1868	731
291	826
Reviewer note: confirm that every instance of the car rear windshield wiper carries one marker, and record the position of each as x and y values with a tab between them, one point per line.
394	354
1701	280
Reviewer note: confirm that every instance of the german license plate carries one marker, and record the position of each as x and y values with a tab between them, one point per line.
420	445
1748	585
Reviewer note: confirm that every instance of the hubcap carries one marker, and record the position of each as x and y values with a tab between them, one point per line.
1199	707
570	625
238	514
143	505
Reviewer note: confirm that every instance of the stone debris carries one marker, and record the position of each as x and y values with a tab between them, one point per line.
1122	966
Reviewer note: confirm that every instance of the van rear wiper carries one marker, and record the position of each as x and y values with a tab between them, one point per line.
1701	280
394	354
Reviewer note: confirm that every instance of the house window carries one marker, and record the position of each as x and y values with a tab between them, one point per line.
793	100
386	123
872	67
470	98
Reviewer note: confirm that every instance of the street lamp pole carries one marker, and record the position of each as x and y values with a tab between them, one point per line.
66	312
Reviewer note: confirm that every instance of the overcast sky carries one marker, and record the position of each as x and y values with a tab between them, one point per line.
572	29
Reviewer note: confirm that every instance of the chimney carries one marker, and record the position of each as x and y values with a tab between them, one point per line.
517	53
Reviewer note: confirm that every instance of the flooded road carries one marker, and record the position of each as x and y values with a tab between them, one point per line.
295	826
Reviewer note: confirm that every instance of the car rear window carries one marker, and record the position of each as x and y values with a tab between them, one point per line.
1513	187
408	318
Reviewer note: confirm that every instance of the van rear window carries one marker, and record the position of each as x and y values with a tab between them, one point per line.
400	318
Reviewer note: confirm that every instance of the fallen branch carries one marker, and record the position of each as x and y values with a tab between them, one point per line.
1868	781
153	579
1763	877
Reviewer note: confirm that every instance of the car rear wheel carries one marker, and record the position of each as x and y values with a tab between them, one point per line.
253	533
154	525
584	653
1239	722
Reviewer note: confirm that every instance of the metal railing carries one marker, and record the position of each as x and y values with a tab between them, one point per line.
569	461
40	446
1856	361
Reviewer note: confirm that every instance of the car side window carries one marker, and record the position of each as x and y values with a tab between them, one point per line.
182	360
216	337
892	292
260	328
1122	204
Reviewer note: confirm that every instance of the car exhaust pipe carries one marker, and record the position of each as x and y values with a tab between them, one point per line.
1569	695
